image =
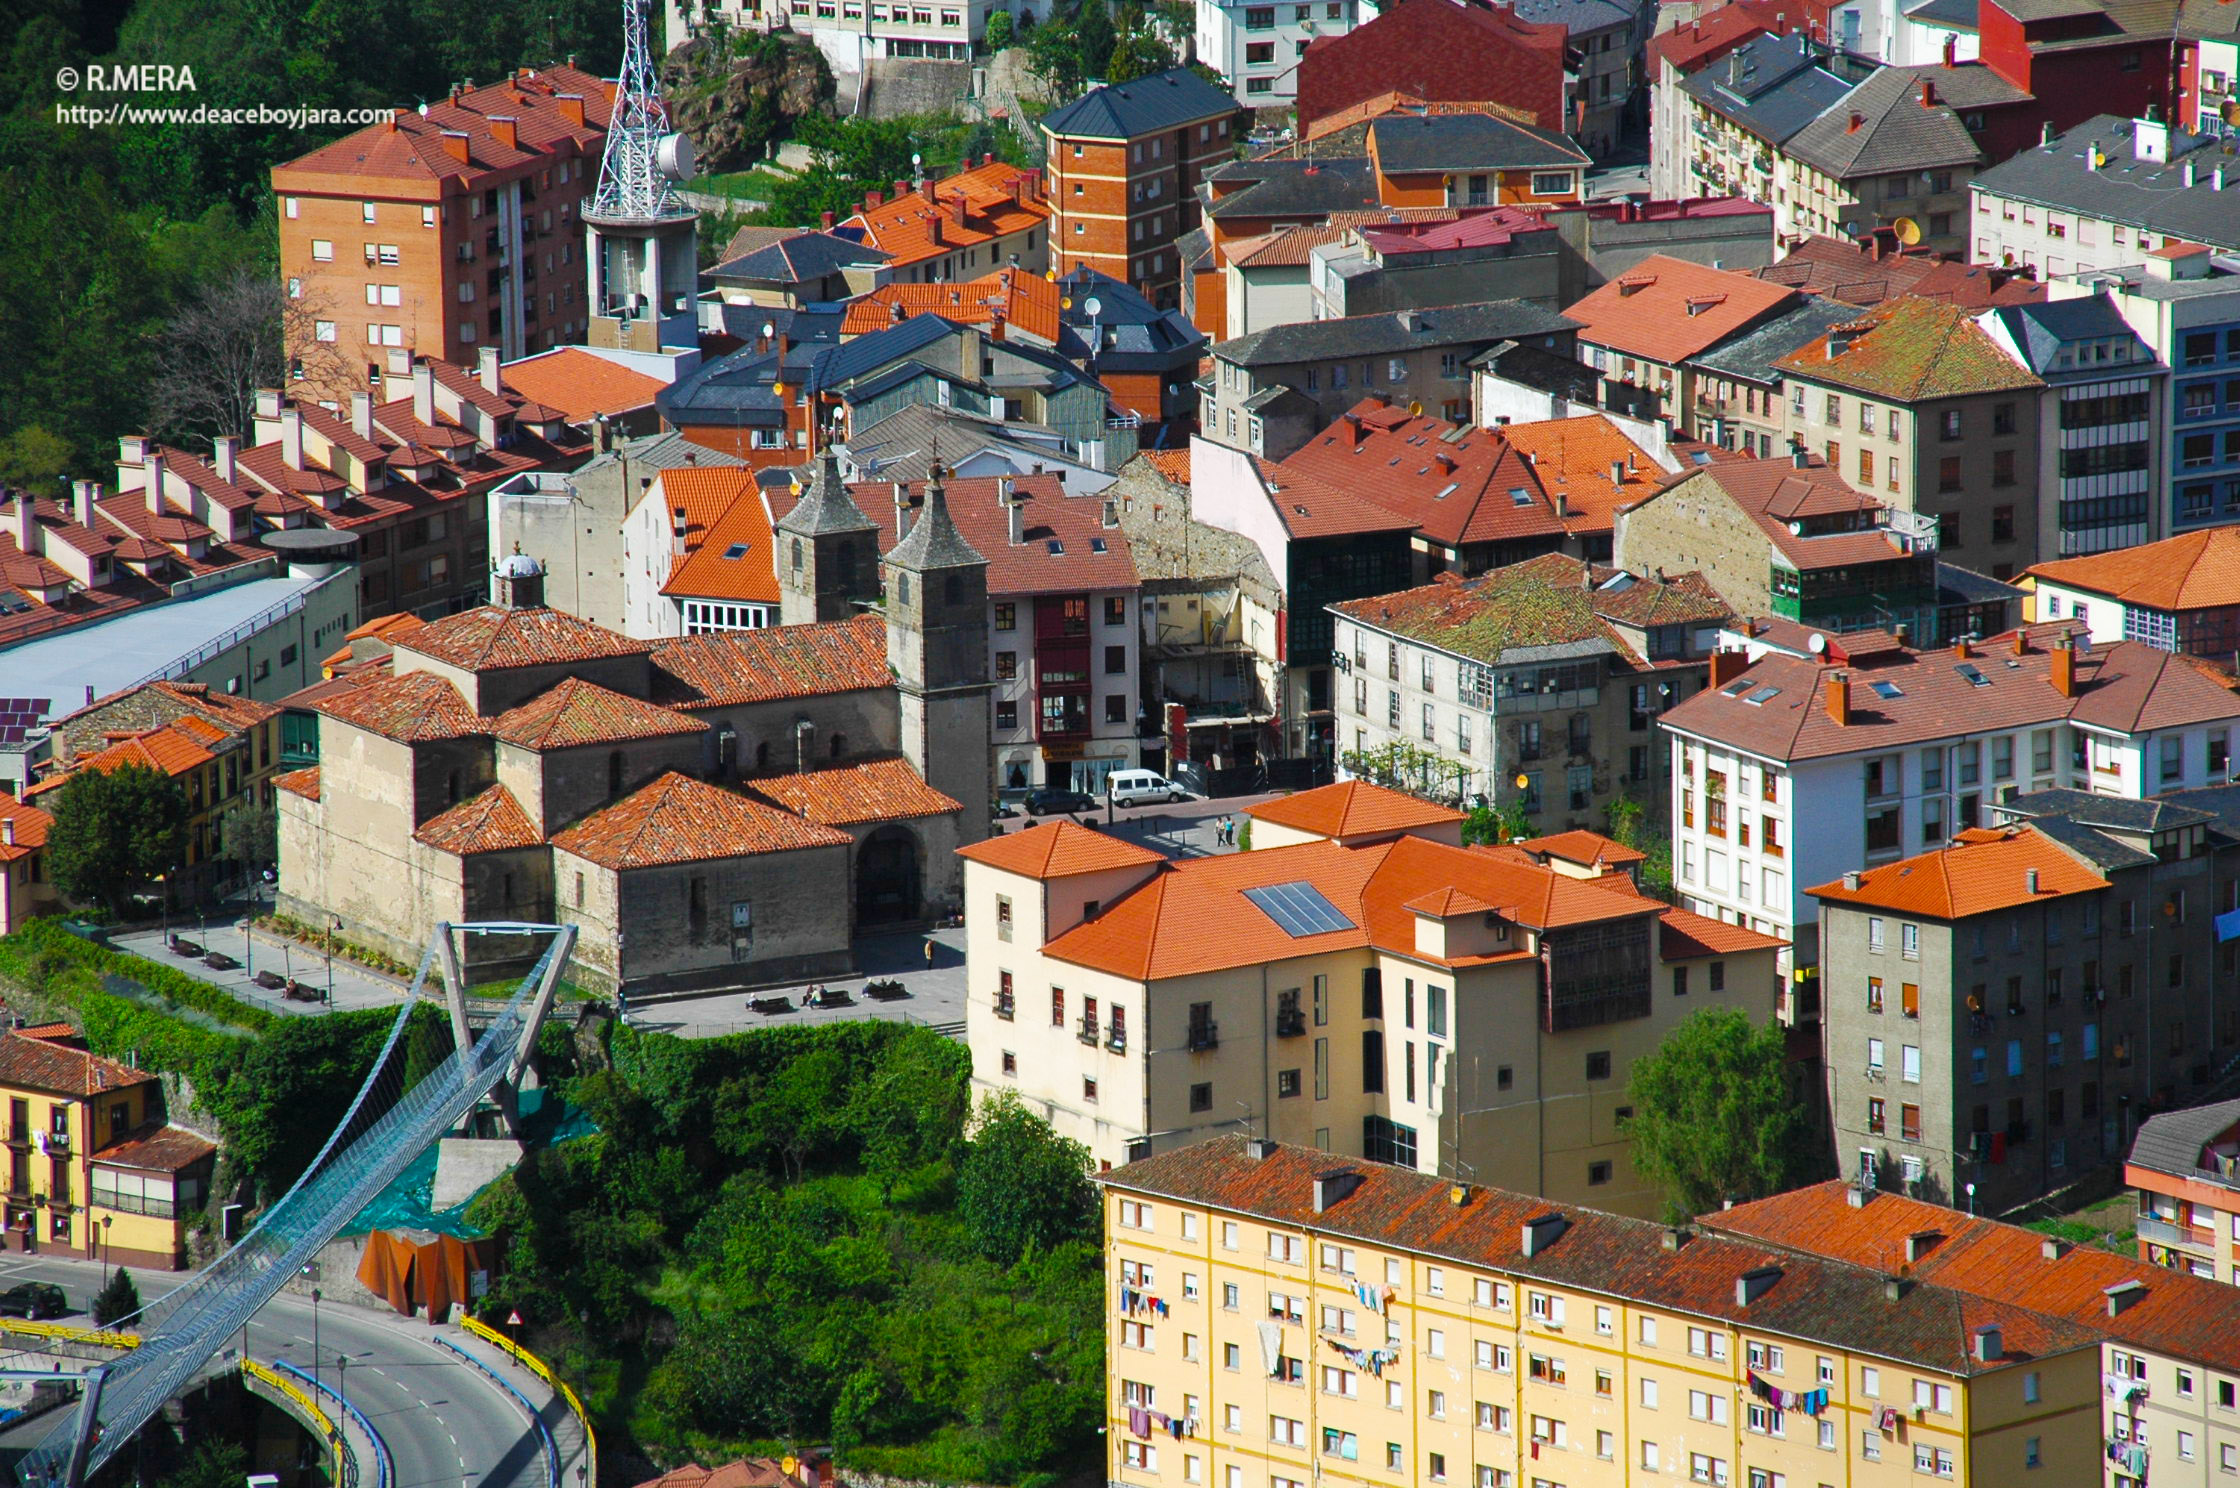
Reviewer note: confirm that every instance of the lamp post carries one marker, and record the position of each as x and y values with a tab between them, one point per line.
342	1393
163	888
106	1221
330	960
314	1337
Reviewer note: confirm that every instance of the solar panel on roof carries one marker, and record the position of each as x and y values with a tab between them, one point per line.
1974	677
1299	909
13	734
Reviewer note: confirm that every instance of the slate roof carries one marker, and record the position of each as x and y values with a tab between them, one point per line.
1136	335
1911	351
1578	16
491	821
1060	850
798	259
2172	1143
1468	142
1983	871
1896	132
729	668
1773	86
824	506
852	795
1293	188
1142	106
677	819
38	1064
904	444
1352	808
493	638
1669	309
1392	333
933	541
1090	555
574	713
2137	193
2192	571
1750	356
2040	332
1841	1305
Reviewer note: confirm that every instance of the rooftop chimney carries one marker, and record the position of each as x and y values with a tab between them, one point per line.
1990	1345
83	493
1952	51
1857	119
1928	94
424	393
1542	1231
1260	1149
2021	641
224	451
571	107
901	511
505	129
1837	692
2030	881
1014	514
154	468
1800	457
825	221
1754	1283
488	370
1962	649
1856	1196
2051	1248
27	525
8	830
1726	666
291	437
1329	1188
361	414
2064	673
455	145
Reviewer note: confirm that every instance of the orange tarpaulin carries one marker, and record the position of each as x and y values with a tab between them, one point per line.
422	1275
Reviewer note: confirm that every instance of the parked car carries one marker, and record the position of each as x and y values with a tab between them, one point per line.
1048	799
1137	787
34	1300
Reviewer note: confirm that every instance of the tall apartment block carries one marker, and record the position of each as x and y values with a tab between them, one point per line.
1125	162
443	231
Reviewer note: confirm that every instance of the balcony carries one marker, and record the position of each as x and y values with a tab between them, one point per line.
1117	1040
1290	1023
19	1136
1006	1008
1203	1036
1086	1030
2163	1232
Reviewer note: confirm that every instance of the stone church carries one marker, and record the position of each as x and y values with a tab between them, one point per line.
727	809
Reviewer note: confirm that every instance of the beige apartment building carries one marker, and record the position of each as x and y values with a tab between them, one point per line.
1358	983
1280	1316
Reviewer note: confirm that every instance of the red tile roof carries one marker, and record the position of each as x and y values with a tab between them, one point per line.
1482	53
491	821
1456	483
922	224
492	638
1908	351
852	795
170	750
2192	571
747	1472
1309	506
1353	808
1060	850
1173	464
1573	458
1684	935
2182	1316
1027	302
31	826
410	150
1585	848
40	1064
1852	273
1667	309
677	819
574	713
1842	1305
730	668
304	782
1984	871
1776	494
157	1149
731	551
410	709
580	384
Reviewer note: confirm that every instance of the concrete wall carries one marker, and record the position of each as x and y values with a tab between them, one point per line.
791	897
1692	525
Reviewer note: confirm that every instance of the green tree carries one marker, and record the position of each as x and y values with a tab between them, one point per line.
1629	828
210	1463
1493	825
119	1299
1138	54
998	32
1713	1114
1022	1187
114	832
1094	38
249	833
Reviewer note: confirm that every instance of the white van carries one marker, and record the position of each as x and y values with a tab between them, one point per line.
1138	787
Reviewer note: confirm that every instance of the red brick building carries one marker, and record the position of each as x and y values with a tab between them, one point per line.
1125	162
1438	51
443	231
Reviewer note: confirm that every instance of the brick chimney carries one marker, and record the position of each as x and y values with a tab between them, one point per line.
824	221
1962	649
506	130
1727	665
2064	672
956	209
1928	93
1857	119
571	107
154	473
487	370
1952	51
1837	691
2021	641
995	325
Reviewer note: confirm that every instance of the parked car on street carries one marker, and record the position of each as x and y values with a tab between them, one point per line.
1048	799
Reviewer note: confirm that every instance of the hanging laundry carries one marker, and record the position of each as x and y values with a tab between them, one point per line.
1271	1348
1139	1421
1175	1426
1888	1420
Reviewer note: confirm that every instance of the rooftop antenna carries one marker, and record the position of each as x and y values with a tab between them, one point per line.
643	159
1250	1118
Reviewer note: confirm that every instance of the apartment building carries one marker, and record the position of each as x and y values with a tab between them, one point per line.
1357	983
2183	1165
2183	304
1606	36
1801	769
1914	403
1257	47
2103	194
1472	160
1125	163
443	231
1486	54
1997	1013
1539	684
1641	331
852	33
1282	1315
1740	401
2166	1406
2180	594
2097	434
698	555
990	216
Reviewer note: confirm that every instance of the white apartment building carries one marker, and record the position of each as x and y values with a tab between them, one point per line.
697	555
1794	771
851	33
1257	47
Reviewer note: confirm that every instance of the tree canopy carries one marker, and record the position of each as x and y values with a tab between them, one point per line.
114	832
1021	1188
1713	1115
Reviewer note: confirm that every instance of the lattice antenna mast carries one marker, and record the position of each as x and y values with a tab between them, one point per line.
634	178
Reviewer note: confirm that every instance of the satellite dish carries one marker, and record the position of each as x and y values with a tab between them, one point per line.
1415	409
769	329
917	159
1848	229
1796	529
1092	307
1907	230
1065	302
1818	645
673	157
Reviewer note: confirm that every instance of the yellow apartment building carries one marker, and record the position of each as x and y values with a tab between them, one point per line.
1358	983
1280	1317
93	1169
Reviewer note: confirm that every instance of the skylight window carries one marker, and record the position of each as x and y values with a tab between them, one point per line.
736	550
1057	548
1762	696
1974	677
1447	490
1737	689
1887	691
1096	545
1520	496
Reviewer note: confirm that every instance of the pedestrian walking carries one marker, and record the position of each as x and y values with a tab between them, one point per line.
929	953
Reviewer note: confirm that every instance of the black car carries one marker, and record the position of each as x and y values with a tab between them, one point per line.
1048	799
35	1300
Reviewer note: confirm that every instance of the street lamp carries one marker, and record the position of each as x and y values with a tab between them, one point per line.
314	1336
342	1392
106	1221
331	937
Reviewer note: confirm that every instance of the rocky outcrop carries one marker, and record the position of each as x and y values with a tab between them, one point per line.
733	92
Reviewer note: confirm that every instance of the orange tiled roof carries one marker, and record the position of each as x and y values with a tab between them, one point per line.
1684	935
1026	301
31	825
677	819
2192	571
729	668
580	384
1174	464
1985	870
1573	458
491	821
157	1149
40	1064
1667	309
304	783
997	202
492	638
411	709
850	795
1353	808
169	750
1586	848
410	147
574	713
731	553
1061	850
1907	351
52	1032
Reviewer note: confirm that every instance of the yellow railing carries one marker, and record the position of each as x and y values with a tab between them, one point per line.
297	1396
543	1371
100	1337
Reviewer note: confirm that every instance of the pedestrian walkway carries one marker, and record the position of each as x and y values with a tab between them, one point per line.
354	986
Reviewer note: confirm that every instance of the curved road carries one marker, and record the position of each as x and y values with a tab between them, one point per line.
445	1422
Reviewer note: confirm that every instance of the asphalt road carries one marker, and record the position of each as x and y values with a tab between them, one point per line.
445	1422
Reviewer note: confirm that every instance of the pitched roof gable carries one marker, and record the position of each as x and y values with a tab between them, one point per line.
677	819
